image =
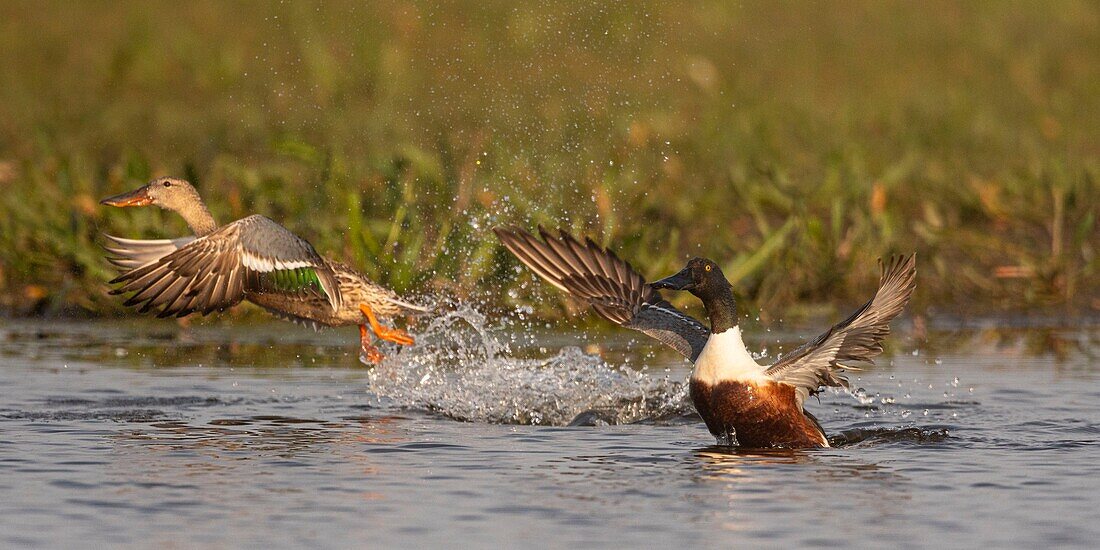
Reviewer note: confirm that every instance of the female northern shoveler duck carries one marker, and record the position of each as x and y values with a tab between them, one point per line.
252	259
741	401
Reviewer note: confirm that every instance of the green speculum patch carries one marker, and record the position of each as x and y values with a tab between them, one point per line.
292	280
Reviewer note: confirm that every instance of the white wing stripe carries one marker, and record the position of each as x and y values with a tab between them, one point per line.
267	265
291	265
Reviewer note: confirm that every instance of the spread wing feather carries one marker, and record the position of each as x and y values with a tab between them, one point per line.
127	254
213	272
610	285
858	338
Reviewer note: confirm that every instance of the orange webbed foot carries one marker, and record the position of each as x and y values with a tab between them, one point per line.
388	334
368	355
396	336
371	356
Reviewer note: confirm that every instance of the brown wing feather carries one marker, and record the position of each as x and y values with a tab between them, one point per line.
214	272
610	285
858	338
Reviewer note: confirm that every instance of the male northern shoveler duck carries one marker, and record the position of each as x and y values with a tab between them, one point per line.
252	259
741	401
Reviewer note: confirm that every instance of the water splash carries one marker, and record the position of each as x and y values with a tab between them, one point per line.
862	437
463	368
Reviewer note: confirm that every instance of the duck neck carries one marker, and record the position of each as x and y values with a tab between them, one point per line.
721	308
198	218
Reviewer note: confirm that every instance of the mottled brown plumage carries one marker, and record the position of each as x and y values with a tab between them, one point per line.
356	290
252	259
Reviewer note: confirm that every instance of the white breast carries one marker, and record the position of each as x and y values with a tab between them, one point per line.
725	357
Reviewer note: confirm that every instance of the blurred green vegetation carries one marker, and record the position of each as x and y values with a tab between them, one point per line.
795	143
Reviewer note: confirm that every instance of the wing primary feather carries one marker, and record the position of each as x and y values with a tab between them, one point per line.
613	289
185	275
857	338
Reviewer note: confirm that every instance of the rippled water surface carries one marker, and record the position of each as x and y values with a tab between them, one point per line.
147	434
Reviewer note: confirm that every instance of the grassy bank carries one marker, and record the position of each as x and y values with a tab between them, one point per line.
794	143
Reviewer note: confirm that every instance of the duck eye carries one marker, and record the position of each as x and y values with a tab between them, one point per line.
707	267
168	184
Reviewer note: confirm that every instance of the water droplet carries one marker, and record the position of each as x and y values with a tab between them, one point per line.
861	395
461	367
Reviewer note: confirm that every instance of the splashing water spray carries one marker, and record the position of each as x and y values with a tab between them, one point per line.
463	368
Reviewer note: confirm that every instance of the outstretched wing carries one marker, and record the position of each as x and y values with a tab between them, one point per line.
215	271
858	338
130	254
610	285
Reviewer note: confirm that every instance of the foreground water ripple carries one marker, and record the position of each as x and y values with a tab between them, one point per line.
271	436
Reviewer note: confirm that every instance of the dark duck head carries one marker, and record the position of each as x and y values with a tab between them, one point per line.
704	279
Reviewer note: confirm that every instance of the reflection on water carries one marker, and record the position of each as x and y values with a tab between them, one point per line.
146	434
727	465
822	486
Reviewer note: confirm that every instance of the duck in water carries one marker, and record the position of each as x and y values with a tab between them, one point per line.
252	259
742	402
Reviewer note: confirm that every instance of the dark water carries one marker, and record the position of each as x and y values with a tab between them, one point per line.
145	434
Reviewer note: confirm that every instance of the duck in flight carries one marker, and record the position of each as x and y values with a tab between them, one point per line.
742	402
252	259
